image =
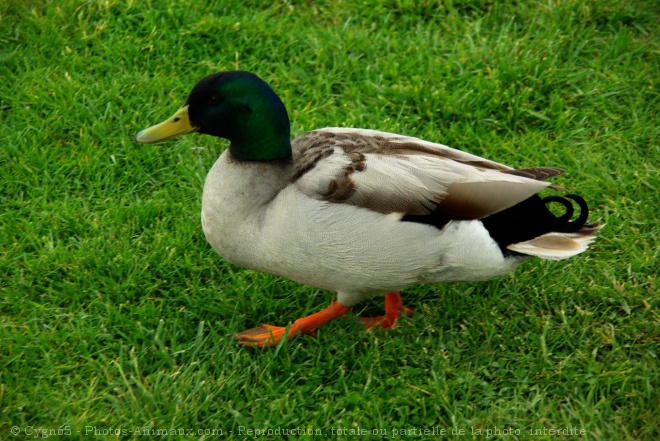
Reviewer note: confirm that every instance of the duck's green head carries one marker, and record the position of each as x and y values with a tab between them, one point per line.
238	106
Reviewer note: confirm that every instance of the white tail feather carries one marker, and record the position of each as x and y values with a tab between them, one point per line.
554	246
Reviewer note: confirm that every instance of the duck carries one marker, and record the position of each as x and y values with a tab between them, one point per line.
361	212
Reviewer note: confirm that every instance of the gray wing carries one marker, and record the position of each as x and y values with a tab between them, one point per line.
390	173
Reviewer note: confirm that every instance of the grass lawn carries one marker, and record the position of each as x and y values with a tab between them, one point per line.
114	311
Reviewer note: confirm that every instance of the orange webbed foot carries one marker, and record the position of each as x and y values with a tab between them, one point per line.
393	309
268	335
261	336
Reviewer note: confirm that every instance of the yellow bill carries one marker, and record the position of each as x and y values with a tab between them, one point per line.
177	124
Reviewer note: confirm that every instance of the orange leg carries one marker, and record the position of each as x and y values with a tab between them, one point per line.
393	308
267	335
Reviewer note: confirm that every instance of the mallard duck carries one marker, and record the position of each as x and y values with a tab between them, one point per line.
361	212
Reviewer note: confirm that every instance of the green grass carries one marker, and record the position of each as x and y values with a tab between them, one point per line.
114	311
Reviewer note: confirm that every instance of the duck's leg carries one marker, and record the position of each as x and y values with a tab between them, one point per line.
268	335
393	309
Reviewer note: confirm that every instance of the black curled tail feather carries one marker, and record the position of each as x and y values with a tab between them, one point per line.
532	218
524	221
564	223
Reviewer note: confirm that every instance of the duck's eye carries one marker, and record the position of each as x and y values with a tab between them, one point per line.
214	99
